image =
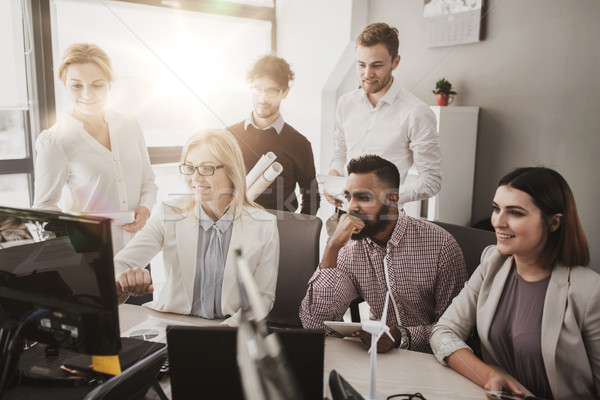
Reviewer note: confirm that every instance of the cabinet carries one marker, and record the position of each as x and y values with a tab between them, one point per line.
457	127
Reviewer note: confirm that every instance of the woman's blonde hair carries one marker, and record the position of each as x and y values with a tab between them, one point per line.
83	53
224	147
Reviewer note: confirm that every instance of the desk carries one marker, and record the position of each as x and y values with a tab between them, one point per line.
130	316
398	371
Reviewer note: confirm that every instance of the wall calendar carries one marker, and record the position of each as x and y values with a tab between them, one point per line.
452	22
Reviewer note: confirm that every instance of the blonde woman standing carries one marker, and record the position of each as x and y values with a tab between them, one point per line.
98	155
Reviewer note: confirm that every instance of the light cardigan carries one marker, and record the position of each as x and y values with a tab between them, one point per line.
570	323
176	234
97	179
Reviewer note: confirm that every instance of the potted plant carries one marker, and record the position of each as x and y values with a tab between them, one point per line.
443	91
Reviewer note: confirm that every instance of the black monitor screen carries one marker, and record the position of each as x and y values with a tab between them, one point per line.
56	272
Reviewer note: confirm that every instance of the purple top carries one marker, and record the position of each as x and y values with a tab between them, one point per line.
516	332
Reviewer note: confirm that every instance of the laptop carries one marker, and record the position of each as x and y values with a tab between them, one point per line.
203	361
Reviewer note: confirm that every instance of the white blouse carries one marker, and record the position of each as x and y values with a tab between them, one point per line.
95	178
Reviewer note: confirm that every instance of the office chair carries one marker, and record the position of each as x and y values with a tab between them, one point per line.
298	259
472	241
134	382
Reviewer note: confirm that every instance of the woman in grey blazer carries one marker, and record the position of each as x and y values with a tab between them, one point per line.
199	235
535	305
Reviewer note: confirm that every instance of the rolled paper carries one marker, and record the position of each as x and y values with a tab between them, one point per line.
273	171
264	180
260	167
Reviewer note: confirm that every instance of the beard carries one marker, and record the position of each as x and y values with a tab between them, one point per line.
266	112
372	228
382	83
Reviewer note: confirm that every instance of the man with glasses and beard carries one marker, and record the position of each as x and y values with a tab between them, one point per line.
265	130
376	249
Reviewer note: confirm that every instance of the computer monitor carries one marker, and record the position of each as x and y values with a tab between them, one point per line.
57	274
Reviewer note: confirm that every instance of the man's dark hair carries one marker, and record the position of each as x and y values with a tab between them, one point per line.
272	67
380	32
386	172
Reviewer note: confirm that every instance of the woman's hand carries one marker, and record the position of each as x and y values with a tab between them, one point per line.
498	382
466	363
141	215
133	282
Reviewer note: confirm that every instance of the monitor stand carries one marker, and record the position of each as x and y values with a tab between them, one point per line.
41	365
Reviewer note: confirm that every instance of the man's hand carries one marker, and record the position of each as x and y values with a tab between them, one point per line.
141	215
133	282
330	198
384	344
347	226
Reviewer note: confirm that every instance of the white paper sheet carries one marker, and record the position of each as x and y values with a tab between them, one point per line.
334	185
153	329
118	217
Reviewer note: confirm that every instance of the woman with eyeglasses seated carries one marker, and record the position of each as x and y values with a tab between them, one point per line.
535	305
97	154
199	235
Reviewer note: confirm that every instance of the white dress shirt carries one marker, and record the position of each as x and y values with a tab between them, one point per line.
401	129
96	179
277	124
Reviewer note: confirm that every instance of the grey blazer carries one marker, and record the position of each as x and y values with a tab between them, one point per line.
570	323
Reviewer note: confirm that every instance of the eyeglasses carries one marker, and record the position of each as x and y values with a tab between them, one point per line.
204	170
270	92
407	396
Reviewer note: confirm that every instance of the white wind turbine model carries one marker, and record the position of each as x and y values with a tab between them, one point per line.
376	329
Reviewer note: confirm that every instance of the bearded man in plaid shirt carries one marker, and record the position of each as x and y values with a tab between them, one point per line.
377	248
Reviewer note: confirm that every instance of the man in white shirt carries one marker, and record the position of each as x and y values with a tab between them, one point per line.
384	119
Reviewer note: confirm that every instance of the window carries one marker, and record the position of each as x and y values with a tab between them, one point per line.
16	165
178	71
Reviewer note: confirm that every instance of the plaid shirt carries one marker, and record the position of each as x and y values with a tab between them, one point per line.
426	269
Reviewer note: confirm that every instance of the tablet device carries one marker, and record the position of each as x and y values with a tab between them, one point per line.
344	328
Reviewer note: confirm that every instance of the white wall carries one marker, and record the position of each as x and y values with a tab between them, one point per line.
311	36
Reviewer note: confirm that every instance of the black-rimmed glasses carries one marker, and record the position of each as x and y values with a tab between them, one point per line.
204	170
270	92
407	396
